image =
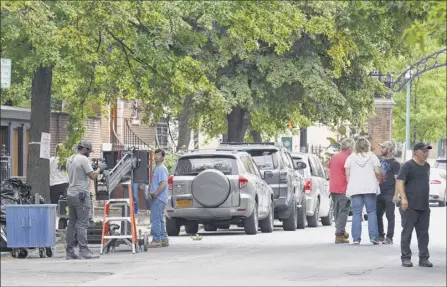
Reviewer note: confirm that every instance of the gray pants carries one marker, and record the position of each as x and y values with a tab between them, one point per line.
341	212
78	221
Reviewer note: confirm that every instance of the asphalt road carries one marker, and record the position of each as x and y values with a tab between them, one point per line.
231	258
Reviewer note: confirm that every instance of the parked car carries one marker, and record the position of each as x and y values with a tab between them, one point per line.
276	166
438	182
318	199
218	188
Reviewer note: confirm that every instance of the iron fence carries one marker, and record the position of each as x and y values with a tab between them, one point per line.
5	164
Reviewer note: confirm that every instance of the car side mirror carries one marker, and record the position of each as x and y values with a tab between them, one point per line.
267	174
300	165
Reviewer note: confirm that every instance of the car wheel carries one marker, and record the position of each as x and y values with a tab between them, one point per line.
301	215
290	223
210	227
192	227
251	223
327	221
267	224
172	227
312	221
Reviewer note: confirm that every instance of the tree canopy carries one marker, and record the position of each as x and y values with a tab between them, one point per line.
227	66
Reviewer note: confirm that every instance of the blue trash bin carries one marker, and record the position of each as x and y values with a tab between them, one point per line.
31	225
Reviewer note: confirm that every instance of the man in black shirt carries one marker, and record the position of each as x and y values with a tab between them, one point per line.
413	187
385	205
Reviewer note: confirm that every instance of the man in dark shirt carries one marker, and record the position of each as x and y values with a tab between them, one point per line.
413	187
385	205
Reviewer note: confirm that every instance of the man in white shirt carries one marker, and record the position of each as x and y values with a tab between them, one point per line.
58	178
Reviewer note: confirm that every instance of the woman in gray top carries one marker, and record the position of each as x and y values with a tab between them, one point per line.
363	174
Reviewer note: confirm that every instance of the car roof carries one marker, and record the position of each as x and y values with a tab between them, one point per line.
211	152
252	146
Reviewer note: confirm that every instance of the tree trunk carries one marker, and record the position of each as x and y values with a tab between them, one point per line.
38	168
184	130
238	122
256	136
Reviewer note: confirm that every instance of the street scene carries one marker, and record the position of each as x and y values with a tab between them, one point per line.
223	143
230	258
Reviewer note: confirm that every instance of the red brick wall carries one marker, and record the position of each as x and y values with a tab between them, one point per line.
59	132
380	127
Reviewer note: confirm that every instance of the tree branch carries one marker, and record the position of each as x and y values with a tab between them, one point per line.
118	40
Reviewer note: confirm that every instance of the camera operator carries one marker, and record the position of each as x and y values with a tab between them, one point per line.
79	201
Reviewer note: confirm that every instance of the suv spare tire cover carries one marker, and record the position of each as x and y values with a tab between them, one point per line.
211	188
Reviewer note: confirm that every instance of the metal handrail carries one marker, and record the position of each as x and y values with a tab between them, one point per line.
131	139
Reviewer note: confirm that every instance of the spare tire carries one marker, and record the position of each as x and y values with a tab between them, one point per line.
211	188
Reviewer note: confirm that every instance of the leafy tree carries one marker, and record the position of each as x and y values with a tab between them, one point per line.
434	26
90	52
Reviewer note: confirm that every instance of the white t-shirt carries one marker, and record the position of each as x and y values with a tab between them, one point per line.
57	176
362	178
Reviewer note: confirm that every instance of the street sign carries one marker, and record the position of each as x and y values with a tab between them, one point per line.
5	73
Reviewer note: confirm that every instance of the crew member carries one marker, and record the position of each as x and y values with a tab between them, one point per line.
58	178
159	198
79	201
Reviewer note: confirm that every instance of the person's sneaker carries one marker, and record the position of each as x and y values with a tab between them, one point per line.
346	235
87	254
71	256
341	239
382	239
356	242
388	241
154	244
407	263
164	243
374	241
425	263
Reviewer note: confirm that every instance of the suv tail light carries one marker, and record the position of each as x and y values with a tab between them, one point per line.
435	181
171	183
308	186
242	182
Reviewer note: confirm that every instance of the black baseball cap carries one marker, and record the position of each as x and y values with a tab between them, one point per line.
421	146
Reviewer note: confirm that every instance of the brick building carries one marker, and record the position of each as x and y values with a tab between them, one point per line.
108	130
380	125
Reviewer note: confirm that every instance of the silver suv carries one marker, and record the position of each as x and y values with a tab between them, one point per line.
287	182
218	188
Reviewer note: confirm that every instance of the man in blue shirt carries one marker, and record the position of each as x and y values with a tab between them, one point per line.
159	198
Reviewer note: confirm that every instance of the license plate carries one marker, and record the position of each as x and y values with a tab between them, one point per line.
183	203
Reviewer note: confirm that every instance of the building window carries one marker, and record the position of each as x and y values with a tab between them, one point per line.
162	135
4	139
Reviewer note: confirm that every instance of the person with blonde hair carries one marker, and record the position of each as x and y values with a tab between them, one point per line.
363	175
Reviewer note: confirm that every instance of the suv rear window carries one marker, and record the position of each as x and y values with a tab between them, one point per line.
440	163
195	165
265	159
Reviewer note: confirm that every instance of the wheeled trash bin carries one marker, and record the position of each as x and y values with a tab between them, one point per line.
30	226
